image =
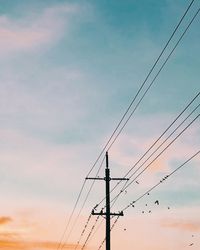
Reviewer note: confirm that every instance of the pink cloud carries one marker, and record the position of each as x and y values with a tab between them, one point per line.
36	31
183	225
22	39
132	146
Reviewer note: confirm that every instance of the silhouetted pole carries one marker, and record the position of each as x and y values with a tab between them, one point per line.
107	213
107	179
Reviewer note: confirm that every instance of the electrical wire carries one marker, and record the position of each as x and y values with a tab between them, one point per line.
112	135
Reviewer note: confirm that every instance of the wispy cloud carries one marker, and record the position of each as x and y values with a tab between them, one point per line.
32	32
5	220
193	226
132	145
11	244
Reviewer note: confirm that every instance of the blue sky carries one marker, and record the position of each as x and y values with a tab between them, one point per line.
68	71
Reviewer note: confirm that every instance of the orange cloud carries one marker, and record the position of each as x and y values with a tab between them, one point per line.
22	245
6	235
5	220
8	245
186	226
159	165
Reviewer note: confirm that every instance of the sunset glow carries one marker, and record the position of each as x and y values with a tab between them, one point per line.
69	71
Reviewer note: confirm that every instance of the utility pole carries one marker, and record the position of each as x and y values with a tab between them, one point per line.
107	213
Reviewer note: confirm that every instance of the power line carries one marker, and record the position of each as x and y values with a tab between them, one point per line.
108	214
104	148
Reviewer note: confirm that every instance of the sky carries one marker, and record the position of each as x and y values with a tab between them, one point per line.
68	71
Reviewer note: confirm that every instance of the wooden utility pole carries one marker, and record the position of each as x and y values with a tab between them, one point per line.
107	213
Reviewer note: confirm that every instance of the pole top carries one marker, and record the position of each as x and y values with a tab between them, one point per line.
107	159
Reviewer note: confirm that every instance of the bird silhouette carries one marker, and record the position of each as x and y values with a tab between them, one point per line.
149	211
191	244
165	177
156	202
96	206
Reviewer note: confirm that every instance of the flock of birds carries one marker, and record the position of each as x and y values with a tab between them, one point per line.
191	244
157	202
